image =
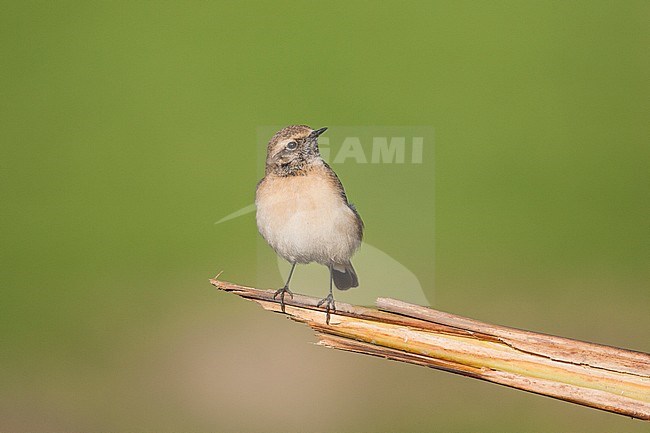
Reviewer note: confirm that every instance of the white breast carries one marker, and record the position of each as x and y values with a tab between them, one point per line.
305	219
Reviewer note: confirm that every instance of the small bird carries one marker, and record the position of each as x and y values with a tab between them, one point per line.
303	212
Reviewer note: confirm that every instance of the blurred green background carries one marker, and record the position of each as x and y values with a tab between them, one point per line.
128	128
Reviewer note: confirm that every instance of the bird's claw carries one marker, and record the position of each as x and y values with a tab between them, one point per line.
329	306
281	292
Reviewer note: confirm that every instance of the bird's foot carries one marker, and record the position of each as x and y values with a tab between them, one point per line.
281	292
329	306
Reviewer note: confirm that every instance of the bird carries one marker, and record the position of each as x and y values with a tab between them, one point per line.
303	213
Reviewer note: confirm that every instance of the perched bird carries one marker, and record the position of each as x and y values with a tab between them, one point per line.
303	212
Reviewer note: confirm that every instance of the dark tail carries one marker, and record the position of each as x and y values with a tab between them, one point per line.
344	276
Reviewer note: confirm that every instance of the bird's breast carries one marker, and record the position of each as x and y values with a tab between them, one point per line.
305	218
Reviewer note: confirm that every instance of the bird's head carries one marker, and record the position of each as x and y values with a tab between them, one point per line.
293	149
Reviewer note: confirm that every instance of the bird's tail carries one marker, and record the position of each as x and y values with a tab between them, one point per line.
344	276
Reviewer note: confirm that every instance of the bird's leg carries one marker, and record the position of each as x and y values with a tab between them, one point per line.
328	300
285	289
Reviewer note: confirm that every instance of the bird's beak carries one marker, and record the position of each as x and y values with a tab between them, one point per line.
317	132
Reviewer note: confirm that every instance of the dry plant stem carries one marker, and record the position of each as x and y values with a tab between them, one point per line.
558	348
602	377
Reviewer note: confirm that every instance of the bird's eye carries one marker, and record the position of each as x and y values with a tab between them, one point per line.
292	145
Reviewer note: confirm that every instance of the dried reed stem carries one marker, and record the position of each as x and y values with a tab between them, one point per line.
602	377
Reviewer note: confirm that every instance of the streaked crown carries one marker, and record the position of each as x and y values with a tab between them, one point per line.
292	149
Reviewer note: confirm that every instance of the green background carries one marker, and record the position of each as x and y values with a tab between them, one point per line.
128	128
